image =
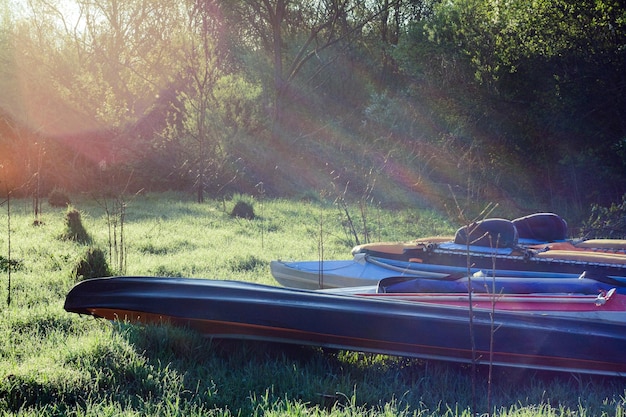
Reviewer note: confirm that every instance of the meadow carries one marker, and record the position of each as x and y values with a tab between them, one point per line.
54	363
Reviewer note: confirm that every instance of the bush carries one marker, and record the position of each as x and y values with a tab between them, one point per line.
607	222
5	264
58	198
243	210
74	229
93	264
245	264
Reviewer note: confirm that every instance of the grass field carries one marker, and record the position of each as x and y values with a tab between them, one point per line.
54	363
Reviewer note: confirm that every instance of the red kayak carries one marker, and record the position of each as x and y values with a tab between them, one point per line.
606	306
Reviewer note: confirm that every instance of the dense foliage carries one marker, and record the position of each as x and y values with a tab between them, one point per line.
522	103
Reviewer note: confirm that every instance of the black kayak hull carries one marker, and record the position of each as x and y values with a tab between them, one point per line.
240	310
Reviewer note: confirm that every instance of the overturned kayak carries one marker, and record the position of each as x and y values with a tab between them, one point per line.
239	310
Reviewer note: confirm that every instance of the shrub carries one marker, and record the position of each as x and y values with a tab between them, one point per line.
58	198
243	210
5	264
607	222
166	271
74	229
93	264
246	263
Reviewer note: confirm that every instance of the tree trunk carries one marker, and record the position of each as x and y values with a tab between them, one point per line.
277	16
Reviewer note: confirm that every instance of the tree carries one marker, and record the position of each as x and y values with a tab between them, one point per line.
295	34
552	72
93	71
216	101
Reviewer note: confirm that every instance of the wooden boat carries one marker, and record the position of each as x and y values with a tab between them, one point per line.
366	270
539	232
494	245
230	309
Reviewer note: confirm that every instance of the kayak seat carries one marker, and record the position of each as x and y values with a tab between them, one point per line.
500	233
544	227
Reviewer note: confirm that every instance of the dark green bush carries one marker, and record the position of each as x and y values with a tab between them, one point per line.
92	264
245	263
607	222
5	263
74	229
166	271
243	210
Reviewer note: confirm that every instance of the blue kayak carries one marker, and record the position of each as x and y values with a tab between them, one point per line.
365	271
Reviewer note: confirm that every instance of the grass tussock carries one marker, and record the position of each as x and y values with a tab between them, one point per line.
74	229
55	363
92	264
6	264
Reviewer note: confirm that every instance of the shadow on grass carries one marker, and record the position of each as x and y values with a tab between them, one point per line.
169	370
233	374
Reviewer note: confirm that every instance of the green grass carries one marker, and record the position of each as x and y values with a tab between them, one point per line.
55	363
